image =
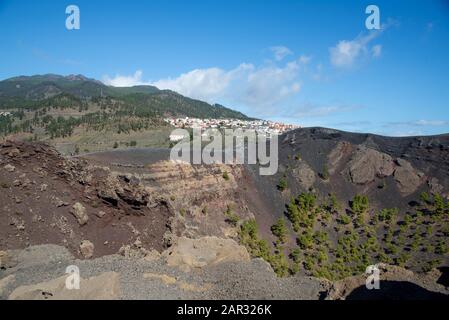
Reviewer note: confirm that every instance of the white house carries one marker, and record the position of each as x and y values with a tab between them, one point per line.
176	137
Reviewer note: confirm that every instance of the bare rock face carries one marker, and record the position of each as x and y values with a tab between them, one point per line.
201	193
117	188
188	253
107	190
427	281
436	187
87	249
80	214
106	286
342	149
305	176
366	164
408	178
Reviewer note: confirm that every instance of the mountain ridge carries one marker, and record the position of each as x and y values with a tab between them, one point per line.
23	91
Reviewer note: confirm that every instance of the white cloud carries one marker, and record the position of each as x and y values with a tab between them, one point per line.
414	127
346	52
280	52
419	123
262	89
376	50
312	110
125	81
204	84
304	59
266	87
431	123
409	133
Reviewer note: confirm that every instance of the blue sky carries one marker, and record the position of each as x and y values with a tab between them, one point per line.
304	62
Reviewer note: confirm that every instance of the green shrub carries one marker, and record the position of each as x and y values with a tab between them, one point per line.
359	204
431	265
333	203
441	248
345	219
282	185
322	256
280	230
309	263
424	197
402	259
295	268
295	255
279	264
232	218
387	215
305	241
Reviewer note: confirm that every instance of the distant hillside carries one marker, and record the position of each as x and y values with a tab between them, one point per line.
35	92
353	200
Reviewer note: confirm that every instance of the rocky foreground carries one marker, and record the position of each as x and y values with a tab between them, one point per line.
209	269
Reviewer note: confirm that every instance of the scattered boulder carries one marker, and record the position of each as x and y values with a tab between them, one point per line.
9	168
100	214
58	202
80	214
14	153
7	260
137	251
87	249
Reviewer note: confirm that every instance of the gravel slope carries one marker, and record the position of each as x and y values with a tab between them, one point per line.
144	279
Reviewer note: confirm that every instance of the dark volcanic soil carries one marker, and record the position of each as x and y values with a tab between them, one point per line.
39	189
313	146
